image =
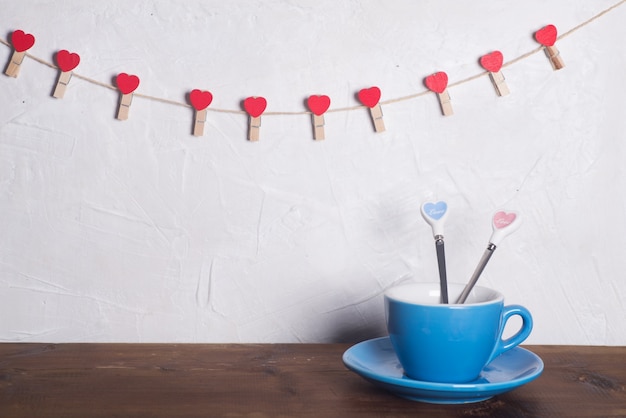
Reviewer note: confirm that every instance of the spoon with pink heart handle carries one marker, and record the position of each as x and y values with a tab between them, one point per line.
503	224
435	215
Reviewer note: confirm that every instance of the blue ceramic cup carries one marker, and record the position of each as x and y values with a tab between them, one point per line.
449	343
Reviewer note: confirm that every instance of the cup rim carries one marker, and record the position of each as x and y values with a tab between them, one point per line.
435	286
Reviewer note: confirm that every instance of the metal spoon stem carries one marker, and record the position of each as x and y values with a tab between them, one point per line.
479	269
441	261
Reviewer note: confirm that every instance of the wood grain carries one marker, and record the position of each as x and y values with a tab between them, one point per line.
274	380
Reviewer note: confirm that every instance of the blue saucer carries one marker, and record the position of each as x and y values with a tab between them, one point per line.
376	361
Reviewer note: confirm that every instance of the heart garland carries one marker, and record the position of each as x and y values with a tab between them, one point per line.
255	106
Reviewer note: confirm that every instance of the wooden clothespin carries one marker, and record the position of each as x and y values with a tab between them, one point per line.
438	83
126	84
492	62
22	42
546	36
318	105
66	62
370	97
254	106
200	100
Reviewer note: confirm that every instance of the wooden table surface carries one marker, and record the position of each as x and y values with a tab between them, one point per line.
275	380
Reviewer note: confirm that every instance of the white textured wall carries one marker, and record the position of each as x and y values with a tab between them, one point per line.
137	231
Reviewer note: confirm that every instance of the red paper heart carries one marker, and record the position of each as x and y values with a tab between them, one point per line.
318	104
22	41
546	36
255	106
200	99
492	62
127	83
369	97
67	61
437	82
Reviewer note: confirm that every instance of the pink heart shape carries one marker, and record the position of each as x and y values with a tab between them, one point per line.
66	60
127	83
318	104
200	99
369	97
492	62
503	219
22	41
255	106
546	36
437	82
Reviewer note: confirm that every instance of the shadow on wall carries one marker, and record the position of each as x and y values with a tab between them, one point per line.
354	333
360	321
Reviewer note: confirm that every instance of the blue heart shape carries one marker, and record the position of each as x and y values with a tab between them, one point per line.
435	210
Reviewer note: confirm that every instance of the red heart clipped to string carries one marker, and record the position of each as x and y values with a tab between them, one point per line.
369	97
22	41
546	36
318	104
492	62
127	83
66	60
255	106
437	82
200	99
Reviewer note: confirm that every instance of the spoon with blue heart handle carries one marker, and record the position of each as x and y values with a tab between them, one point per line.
435	215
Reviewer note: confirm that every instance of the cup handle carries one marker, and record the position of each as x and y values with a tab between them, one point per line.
521	335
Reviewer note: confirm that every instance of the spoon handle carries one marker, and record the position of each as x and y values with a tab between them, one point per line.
443	277
435	215
479	269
